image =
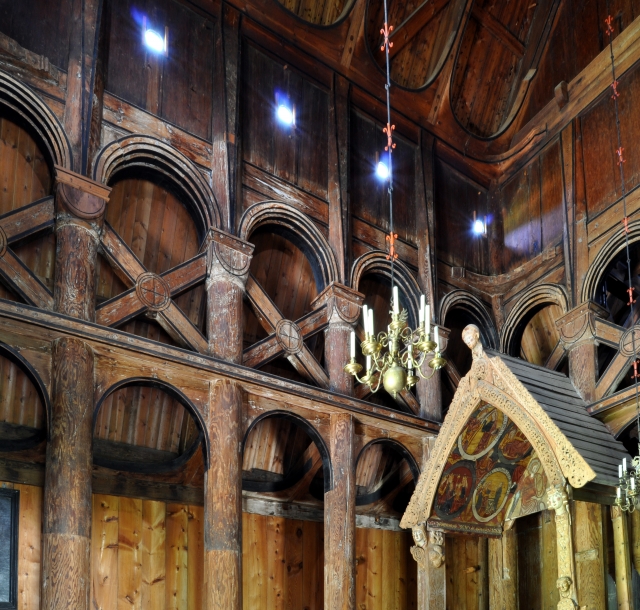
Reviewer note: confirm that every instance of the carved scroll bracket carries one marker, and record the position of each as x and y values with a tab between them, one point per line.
80	196
228	258
343	303
579	325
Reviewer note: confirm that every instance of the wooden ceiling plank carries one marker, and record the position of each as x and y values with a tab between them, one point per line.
498	30
413	24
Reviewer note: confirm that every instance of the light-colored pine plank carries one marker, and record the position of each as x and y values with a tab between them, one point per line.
152	589
130	554
177	523
29	546
195	558
104	552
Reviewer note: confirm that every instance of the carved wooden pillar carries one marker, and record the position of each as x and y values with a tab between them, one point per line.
229	260
635	539
66	541
223	499
80	206
343	308
578	335
557	500
340	518
622	558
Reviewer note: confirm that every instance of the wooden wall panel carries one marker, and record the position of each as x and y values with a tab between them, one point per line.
41	26
369	199
178	87
456	200
541	335
576	39
297	155
385	571
465	583
29	549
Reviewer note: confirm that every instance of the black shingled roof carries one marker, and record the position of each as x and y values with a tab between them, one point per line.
555	393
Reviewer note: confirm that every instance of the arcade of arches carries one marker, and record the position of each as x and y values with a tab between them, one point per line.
181	272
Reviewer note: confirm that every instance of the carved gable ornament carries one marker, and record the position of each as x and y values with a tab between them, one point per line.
496	455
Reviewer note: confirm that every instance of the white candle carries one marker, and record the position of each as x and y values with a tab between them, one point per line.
353	344
371	332
365	319
436	336
368	363
427	320
624	464
421	312
410	363
396	303
619	471
618	492
633	483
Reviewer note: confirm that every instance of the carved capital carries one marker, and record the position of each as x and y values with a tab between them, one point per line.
80	196
579	325
228	257
343	303
435	550
558	500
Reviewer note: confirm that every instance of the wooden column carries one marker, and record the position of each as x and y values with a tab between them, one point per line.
80	206
622	558
430	390
340	518
228	260
577	333
635	539
223	499
503	571
343	309
66	541
558	501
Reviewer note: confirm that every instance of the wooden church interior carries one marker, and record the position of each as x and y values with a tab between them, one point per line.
181	272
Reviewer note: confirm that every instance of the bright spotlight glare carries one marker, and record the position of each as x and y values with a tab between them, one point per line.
154	41
285	114
478	227
382	171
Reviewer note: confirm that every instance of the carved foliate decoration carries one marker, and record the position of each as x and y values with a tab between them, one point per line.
342	303
490	381
579	325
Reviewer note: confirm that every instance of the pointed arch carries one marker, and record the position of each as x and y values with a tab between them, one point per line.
151	154
24	102
531	299
284	219
376	263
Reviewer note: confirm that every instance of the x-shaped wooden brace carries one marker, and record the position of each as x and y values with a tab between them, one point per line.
128	305
17	225
268	349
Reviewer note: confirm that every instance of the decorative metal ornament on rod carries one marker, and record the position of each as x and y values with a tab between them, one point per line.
400	366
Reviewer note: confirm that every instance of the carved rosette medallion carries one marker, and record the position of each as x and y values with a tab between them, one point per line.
3	242
153	291
289	336
629	340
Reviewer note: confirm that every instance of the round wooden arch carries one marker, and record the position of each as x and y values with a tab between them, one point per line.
176	394
607	253
377	263
530	299
461	299
151	154
24	102
284	219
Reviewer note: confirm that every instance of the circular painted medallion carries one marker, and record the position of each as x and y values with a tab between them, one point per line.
491	494
483	430
454	490
514	445
289	336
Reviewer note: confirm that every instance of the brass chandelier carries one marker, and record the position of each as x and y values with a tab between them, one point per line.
400	366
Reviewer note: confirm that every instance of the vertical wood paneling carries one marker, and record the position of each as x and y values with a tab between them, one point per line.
177	523
29	546
129	554
104	552
152	588
195	556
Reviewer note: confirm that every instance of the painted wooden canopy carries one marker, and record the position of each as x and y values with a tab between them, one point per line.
513	431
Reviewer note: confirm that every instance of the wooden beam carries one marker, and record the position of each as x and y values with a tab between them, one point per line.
555	356
613	375
355	33
28	220
124	262
403	34
19	277
181	329
498	30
